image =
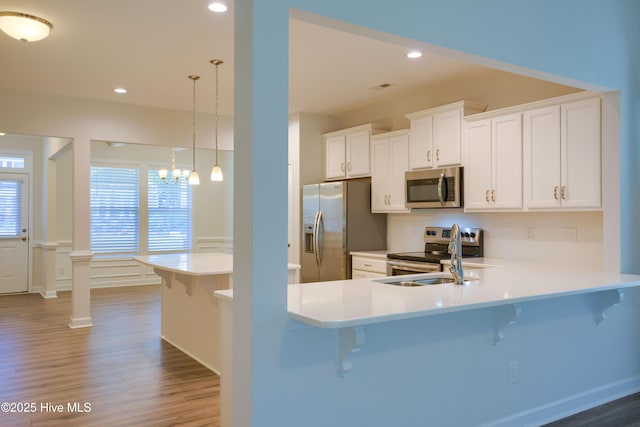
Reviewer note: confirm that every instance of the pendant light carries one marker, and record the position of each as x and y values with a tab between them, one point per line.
216	172
194	179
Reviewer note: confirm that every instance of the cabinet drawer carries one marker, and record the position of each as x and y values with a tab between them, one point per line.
369	264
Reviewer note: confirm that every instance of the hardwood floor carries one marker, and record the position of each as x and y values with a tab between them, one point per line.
624	412
119	372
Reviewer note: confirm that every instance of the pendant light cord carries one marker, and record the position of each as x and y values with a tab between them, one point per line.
194	78
217	115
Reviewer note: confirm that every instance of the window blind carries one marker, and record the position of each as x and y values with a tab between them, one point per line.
169	214
114	209
10	214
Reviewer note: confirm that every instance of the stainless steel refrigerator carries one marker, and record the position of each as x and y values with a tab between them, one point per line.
337	219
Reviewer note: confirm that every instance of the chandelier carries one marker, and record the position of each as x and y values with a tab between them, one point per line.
173	175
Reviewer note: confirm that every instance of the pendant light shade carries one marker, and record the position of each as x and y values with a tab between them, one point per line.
216	172
194	179
24	27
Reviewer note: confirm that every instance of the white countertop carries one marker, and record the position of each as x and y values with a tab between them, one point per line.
196	264
346	303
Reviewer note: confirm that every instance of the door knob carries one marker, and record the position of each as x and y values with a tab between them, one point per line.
24	238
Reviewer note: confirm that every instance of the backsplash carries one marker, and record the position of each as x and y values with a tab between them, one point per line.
568	237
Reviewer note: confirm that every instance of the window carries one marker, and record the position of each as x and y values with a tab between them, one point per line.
114	209
169	214
11	162
10	215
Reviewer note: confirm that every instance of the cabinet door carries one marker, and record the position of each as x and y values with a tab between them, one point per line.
421	143
581	154
379	174
398	165
335	165
541	157
506	153
477	172
358	154
447	138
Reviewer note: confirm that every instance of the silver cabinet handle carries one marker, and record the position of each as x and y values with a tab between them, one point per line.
428	155
555	192
493	195
342	167
368	265
438	154
349	166
563	192
486	196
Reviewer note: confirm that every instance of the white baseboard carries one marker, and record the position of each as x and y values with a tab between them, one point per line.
45	294
569	406
80	322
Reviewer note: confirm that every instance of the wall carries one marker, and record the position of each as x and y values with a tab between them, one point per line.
439	370
512	235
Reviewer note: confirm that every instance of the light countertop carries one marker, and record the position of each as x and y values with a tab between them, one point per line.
346	303
194	264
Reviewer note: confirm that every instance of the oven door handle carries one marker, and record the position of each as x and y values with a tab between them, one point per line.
421	267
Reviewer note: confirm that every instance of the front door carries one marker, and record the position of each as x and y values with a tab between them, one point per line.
14	240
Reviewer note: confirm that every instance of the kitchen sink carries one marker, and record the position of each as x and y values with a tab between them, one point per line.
438	280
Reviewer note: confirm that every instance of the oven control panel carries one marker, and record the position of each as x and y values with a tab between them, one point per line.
469	236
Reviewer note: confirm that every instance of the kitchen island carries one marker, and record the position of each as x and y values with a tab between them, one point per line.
190	318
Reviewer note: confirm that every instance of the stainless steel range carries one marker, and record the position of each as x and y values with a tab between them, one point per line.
436	245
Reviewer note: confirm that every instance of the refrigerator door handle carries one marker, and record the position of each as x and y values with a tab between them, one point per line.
316	237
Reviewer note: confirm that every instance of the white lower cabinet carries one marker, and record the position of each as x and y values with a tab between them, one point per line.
364	267
493	167
562	156
390	160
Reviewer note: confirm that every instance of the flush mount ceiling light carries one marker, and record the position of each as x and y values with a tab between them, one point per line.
414	54
24	27
120	90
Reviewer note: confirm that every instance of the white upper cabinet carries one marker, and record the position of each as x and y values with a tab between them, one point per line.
562	156
436	135
493	167
390	160
347	152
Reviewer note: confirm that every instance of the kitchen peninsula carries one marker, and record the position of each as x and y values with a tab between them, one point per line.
506	331
190	319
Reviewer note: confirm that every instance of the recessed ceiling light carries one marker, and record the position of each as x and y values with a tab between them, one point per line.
218	7
120	90
2	134
414	54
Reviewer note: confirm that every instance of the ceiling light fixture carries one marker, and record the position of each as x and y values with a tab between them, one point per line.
216	172
218	7
194	179
414	54
24	27
120	90
176	174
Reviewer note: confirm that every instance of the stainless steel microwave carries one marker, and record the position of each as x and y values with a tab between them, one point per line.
434	188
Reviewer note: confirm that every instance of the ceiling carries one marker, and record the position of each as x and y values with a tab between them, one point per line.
151	47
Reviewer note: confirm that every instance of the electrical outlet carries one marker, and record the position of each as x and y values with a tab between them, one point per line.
512	372
570	234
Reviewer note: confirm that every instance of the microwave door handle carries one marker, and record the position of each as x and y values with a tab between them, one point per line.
440	188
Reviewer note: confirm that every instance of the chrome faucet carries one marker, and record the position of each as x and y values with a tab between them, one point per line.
455	249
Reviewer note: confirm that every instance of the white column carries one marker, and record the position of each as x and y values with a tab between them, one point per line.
260	209
49	219
81	253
